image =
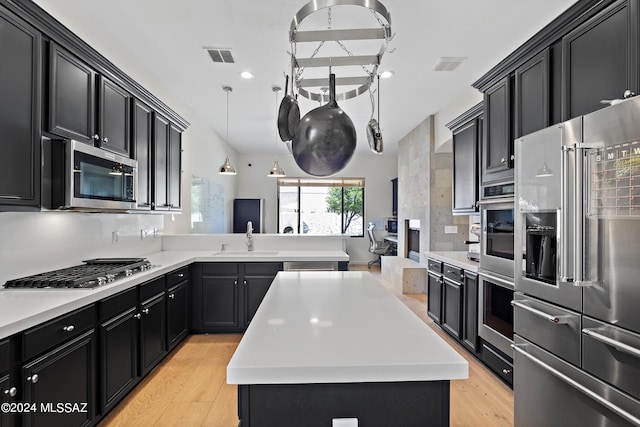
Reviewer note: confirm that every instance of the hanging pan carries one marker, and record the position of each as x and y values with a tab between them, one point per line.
289	114
326	138
374	135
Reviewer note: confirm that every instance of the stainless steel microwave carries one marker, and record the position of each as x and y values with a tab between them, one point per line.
79	176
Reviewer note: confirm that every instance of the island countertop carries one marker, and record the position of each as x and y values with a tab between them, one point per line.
339	327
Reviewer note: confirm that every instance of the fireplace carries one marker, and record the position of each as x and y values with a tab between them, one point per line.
413	239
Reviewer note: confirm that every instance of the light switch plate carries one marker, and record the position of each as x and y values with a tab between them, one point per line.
345	422
450	229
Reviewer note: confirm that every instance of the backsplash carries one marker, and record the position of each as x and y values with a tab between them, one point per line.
40	241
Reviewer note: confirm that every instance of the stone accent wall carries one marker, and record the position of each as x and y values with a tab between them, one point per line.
424	192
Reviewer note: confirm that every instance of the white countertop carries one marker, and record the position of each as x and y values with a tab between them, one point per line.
457	258
339	327
21	309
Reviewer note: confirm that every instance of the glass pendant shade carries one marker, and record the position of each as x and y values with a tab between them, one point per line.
227	168
276	170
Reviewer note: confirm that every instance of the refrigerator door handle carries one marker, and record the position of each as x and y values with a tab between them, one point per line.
564	221
578	205
581	388
626	348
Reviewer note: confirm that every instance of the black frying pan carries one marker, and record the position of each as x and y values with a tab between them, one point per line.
288	115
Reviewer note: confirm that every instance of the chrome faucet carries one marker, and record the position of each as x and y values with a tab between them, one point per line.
249	236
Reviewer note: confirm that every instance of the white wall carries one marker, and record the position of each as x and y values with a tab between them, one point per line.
459	105
378	171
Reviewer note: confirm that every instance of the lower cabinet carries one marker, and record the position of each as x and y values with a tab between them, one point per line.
153	339
452	300
177	314
470	318
434	296
226	295
62	385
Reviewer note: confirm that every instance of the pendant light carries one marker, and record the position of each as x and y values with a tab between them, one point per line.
227	168
276	171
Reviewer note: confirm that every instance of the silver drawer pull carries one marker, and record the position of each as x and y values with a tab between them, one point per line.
145	311
33	378
626	348
506	371
558	320
137	316
172	296
69	328
11	392
573	383
181	275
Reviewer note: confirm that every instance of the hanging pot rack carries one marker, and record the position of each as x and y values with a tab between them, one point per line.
363	82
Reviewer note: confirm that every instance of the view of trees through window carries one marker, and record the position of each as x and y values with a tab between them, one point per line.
321	206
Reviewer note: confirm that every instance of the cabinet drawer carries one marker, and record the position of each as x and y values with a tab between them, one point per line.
220	269
262	268
152	288
5	362
497	363
177	276
453	273
118	303
434	266
532	320
48	335
610	353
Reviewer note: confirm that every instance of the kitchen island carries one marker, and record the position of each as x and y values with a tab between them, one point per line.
336	345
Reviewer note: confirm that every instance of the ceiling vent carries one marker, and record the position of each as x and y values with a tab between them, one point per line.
220	55
448	63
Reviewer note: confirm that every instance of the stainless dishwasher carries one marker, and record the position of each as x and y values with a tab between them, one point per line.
310	266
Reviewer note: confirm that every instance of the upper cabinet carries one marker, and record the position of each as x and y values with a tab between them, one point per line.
532	95
114	117
142	124
467	134
597	60
20	90
497	150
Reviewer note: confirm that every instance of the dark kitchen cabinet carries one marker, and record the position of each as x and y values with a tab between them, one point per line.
152	332
72	96
7	387
434	297
452	300
178	304
532	95
600	59
497	143
470	315
394	197
226	295
142	132
114	117
118	350
66	374
160	163
20	90
174	168
467	134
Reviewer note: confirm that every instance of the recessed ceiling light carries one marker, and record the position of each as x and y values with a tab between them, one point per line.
246	75
386	74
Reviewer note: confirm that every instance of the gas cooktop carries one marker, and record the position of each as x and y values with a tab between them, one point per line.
93	273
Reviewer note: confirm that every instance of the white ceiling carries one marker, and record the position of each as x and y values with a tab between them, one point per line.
168	38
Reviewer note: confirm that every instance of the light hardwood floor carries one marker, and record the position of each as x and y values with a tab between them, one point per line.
189	389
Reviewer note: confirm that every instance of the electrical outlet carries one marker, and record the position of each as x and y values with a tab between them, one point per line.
115	237
450	229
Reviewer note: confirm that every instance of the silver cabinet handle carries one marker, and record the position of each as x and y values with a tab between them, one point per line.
235	282
573	383
69	328
626	348
503	160
181	275
145	311
33	378
105	140
137	316
172	296
557	320
96	137
506	371
11	392
513	157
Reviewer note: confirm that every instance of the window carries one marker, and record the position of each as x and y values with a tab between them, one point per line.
321	206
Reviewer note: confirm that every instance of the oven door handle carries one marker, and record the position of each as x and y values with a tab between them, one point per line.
498	280
557	320
496	201
581	388
626	348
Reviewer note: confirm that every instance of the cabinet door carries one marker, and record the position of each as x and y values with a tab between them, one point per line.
142	131
153	334
177	314
20	89
596	61
470	312
452	308
6	389
220	303
118	358
497	144
71	96
255	288
160	163
532	95
465	169
114	117
174	168
64	375
394	197
434	297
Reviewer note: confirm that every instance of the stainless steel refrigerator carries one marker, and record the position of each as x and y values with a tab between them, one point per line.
577	274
